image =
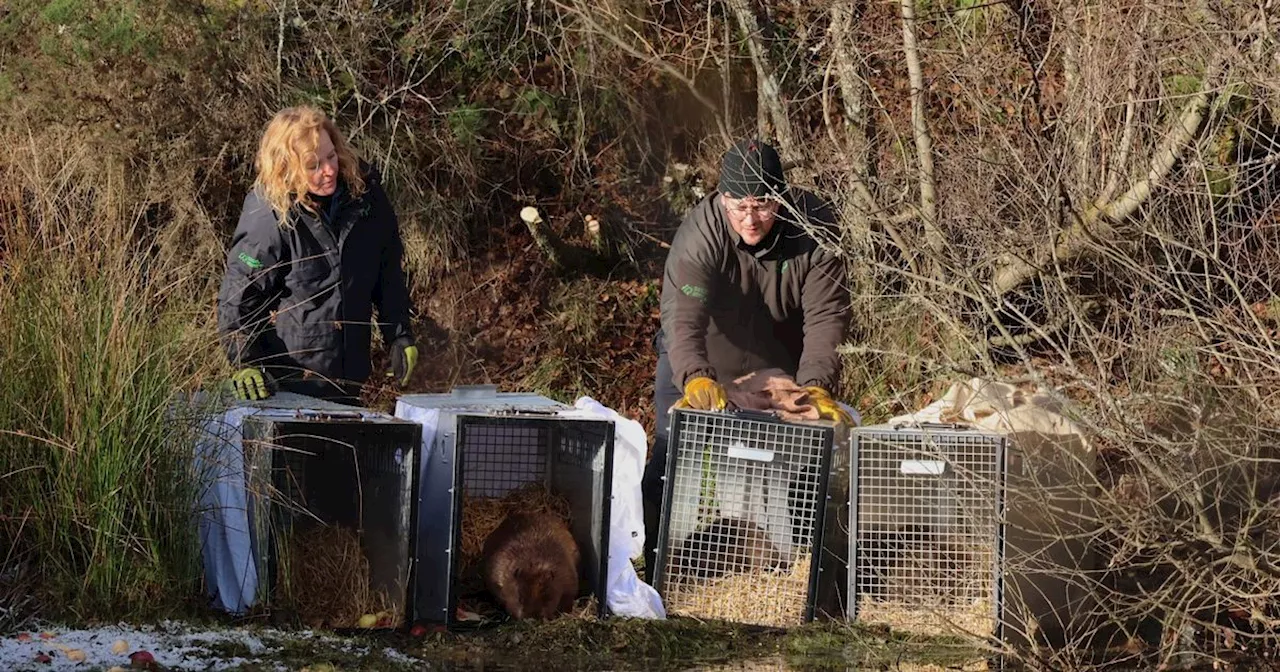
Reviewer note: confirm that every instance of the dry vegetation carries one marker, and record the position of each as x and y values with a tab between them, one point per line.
1074	195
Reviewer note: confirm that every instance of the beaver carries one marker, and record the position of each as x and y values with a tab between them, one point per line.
531	565
726	545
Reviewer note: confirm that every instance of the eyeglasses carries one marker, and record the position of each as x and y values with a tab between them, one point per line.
745	206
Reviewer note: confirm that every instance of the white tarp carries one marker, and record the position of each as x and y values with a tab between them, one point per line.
998	407
626	594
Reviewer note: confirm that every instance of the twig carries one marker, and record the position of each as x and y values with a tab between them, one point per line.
1126	138
661	243
1039	333
280	47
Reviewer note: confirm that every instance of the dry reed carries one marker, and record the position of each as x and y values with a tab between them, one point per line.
329	578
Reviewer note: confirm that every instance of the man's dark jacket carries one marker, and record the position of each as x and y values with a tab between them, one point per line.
729	309
298	299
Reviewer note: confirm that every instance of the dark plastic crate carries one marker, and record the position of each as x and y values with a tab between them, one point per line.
488	444
342	474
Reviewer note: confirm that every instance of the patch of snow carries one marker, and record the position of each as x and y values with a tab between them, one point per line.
175	646
401	657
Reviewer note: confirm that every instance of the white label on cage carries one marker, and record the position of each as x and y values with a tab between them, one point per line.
924	467
742	452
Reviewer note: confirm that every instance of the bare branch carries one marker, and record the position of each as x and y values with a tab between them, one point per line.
583	13
1098	222
853	89
920	129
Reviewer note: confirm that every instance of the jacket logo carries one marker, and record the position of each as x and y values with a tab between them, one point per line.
250	261
695	292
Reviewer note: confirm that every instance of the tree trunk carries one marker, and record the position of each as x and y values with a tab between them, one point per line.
772	106
924	143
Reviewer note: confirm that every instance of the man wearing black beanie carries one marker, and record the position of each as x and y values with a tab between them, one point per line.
746	287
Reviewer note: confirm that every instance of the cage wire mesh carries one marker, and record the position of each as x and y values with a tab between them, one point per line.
741	531
927	544
503	457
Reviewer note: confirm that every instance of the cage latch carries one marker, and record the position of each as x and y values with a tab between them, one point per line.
330	415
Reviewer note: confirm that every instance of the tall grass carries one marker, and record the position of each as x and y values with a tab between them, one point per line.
98	347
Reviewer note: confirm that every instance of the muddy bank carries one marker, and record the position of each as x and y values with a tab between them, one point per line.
568	643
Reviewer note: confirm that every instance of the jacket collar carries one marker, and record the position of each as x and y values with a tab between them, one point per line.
332	226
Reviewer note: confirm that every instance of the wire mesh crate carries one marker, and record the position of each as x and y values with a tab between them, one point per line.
490	453
927	548
331	510
750	530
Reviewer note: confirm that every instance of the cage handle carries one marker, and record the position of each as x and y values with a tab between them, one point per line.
473	391
327	415
934	425
753	414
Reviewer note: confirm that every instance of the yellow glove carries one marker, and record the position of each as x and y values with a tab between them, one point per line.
249	384
828	408
704	394
404	357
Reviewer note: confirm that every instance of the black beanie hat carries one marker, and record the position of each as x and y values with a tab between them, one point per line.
751	168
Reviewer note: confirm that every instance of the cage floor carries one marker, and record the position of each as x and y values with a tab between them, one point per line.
972	620
762	597
325	577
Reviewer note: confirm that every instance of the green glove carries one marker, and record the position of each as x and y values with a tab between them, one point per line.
250	385
828	408
404	357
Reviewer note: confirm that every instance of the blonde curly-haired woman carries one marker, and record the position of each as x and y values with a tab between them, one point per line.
317	248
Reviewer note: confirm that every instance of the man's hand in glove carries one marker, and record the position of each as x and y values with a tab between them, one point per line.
828	408
250	385
704	394
404	357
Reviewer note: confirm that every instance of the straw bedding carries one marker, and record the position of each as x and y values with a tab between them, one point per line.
761	597
327	575
974	620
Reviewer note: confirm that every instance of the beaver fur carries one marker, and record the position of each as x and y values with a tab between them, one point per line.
531	565
726	545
